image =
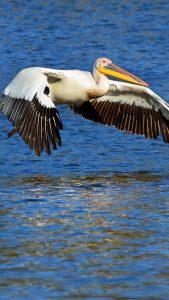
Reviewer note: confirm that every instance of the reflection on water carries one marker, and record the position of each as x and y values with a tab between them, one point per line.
103	230
84	187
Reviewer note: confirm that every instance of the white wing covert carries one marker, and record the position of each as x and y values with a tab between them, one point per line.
130	108
27	104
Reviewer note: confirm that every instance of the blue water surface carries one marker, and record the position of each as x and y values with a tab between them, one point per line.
92	220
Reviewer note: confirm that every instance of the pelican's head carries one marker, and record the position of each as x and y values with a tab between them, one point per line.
106	66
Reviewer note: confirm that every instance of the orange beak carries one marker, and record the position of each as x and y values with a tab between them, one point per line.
113	70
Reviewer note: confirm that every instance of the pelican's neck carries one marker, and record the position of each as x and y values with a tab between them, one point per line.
102	82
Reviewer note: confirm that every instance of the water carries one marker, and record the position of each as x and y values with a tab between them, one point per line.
92	220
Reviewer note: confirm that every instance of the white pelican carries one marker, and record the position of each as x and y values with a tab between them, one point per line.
29	103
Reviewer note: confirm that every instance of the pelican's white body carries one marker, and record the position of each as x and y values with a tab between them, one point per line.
72	87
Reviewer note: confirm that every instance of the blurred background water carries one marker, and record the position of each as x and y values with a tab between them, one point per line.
92	220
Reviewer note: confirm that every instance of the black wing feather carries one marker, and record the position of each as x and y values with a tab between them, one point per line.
130	118
37	125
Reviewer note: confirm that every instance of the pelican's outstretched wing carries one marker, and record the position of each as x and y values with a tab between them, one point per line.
27	104
131	108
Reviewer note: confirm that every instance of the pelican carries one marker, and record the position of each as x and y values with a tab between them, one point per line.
129	105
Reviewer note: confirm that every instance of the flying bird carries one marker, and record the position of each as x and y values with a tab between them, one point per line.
129	105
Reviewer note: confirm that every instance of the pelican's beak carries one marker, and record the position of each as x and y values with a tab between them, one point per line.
113	70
